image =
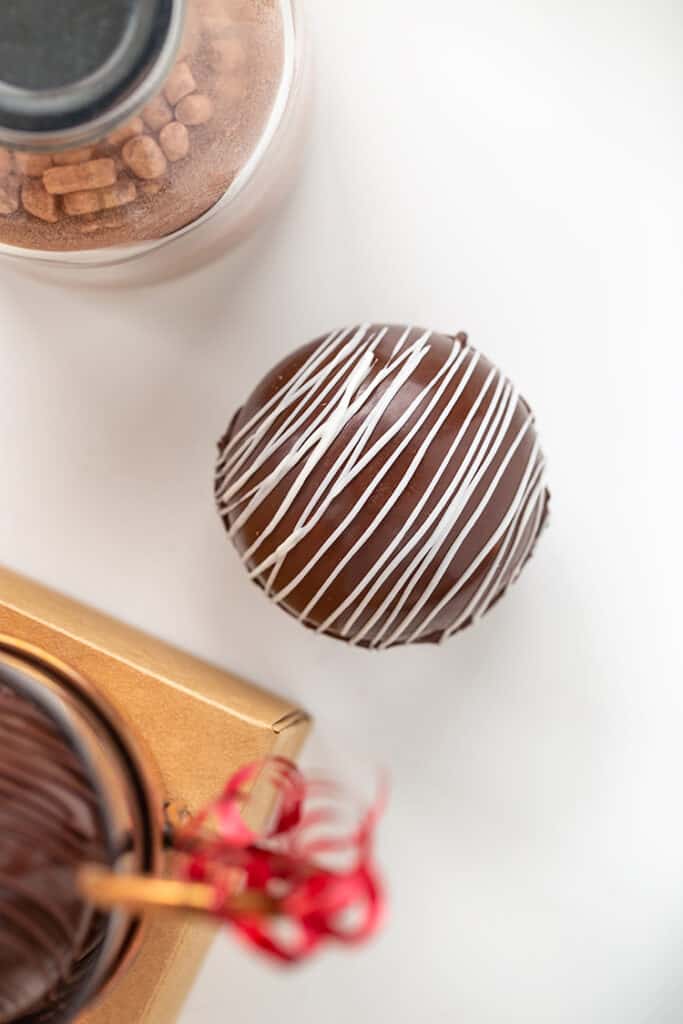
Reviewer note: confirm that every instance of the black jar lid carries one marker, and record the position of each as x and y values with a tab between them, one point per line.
72	70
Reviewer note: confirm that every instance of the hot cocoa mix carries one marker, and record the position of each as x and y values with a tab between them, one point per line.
173	161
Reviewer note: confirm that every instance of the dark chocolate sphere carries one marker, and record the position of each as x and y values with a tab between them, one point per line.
49	826
385	485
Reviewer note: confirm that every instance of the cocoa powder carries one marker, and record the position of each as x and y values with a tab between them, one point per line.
170	164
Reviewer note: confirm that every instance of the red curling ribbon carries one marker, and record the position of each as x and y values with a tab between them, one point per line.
301	900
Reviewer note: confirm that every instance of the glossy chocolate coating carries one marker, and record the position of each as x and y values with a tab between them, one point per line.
50	824
384	484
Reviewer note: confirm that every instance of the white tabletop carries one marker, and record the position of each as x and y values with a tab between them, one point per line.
512	168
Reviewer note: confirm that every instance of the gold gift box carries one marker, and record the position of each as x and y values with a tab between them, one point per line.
196	724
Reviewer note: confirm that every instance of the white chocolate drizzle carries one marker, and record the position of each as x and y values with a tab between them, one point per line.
286	445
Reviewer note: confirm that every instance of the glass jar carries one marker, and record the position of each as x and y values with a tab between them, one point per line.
126	125
78	767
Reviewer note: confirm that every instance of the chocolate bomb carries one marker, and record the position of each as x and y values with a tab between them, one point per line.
50	824
383	484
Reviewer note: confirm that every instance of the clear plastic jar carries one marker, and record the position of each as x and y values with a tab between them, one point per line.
104	789
130	124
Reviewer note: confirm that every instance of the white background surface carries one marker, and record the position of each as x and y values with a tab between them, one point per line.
510	168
